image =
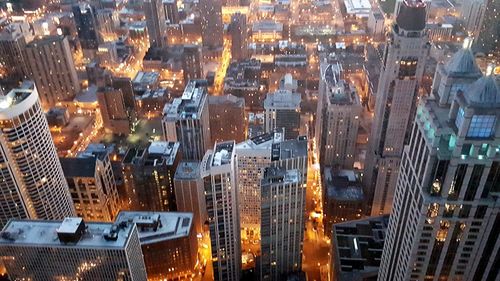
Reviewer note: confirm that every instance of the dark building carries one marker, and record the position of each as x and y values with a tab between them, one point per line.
192	62
86	24
227	118
243	79
239	36
149	174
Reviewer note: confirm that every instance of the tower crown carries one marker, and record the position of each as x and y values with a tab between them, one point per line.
412	15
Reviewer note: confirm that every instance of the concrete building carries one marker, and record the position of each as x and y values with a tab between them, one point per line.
156	23
445	220
357	248
227	118
168	241
343	198
149	176
171	11
219	171
186	120
239	36
190	193
192	62
358	8
405	56
376	23
283	191
115	115
36	250
254	155
212	27
32	182
282	111
338	118
50	65
472	13
92	184
243	79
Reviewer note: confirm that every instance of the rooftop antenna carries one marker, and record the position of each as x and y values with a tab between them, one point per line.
467	43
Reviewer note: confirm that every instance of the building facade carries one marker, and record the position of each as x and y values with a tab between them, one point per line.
227	118
32	180
472	13
338	118
282	111
115	115
446	221
94	251
86	25
212	27
239	36
218	169
404	61
186	120
156	23
50	65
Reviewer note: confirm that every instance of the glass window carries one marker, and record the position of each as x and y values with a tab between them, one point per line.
482	126
460	118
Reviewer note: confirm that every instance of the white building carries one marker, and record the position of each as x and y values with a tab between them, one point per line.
71	250
186	120
283	191
254	155
32	182
338	117
218	168
404	60
376	22
282	111
445	220
358	8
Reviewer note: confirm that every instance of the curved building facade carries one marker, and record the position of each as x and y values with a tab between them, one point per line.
32	183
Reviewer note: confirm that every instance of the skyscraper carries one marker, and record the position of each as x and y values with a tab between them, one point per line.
171	11
211	22
192	62
86	25
338	117
487	38
397	92
186	120
282	111
155	21
32	180
12	44
239	36
50	64
283	192
92	184
227	118
115	115
218	169
71	250
472	13
445	221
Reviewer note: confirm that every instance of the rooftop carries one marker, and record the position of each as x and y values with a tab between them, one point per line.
262	141
412	15
226	99
190	105
78	167
41	233
484	93
223	153
154	227
146	78
162	153
187	170
267	26
358	247
339	90
283	99
463	62
342	185
290	149
273	175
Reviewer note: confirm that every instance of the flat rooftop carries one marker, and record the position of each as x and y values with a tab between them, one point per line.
283	99
154	227
190	105
146	78
161	153
262	141
39	233
280	175
187	170
342	185
290	149
223	153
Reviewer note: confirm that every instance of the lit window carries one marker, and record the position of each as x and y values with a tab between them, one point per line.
482	126
460	118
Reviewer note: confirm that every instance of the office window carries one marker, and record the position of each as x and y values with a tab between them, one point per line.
460	118
482	126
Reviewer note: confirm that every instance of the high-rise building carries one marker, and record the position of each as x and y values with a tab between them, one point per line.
218	170
239	36
171	11
115	115
212	27
472	13
283	191
192	62
86	25
156	23
12	44
227	118
254	155
186	120
32	180
357	248
445	222
92	184
338	117
190	192
149	176
404	59
168	241
50	65
487	37
282	111
71	250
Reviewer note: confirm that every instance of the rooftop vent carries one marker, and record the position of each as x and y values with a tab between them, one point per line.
71	230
